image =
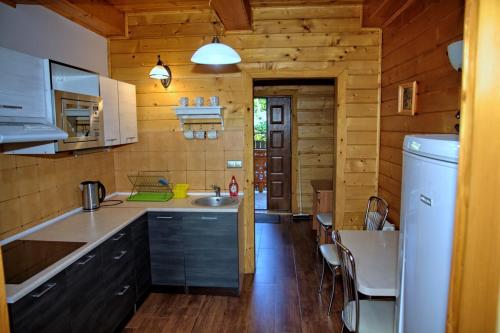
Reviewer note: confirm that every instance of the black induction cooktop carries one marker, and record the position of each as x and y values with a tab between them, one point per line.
25	258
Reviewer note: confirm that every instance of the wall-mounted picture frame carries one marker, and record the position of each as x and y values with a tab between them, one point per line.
407	98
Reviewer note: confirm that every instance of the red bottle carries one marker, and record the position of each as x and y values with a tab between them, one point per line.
233	188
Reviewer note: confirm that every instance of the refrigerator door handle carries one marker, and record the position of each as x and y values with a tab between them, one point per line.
426	200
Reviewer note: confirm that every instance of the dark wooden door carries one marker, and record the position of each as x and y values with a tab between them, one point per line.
279	153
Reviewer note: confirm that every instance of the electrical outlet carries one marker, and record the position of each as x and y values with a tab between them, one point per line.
234	163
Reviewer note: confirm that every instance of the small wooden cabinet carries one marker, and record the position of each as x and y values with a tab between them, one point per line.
322	203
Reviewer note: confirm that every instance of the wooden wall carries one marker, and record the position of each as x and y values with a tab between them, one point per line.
35	189
312	136
414	48
312	41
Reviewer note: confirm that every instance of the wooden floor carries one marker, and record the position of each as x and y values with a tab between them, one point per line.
281	297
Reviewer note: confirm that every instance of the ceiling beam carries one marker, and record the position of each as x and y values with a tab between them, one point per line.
234	14
96	15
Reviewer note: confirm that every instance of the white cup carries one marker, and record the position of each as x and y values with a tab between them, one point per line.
189	135
200	135
212	135
214	100
199	101
184	101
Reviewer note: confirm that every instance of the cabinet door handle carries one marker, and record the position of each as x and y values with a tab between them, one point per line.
118	257
164	217
48	287
119	236
89	257
16	107
130	137
124	290
111	139
208	218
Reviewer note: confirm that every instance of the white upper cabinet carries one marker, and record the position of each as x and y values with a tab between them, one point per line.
128	112
75	80
110	110
23	85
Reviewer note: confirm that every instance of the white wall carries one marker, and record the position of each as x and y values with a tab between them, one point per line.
40	32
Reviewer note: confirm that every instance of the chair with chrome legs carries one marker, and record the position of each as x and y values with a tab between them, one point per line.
360	316
376	213
326	223
329	253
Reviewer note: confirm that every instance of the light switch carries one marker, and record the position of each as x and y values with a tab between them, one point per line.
234	163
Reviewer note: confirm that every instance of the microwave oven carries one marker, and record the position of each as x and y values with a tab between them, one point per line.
81	117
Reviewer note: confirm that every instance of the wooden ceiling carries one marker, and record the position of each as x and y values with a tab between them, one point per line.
107	17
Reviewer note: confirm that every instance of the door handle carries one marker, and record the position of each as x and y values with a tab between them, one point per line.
46	290
89	258
16	107
111	139
118	257
208	218
164	217
426	200
119	236
124	290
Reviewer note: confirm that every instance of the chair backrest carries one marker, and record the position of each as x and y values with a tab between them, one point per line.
350	309
376	213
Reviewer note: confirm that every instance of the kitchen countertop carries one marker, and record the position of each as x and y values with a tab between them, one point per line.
95	227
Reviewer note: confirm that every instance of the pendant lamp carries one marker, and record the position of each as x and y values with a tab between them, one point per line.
215	53
161	72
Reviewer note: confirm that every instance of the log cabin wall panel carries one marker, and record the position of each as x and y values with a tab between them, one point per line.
35	189
278	47
414	48
313	114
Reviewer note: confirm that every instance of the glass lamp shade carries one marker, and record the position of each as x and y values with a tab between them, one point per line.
455	51
215	53
159	72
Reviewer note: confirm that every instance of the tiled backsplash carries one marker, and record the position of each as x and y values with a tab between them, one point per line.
200	163
34	189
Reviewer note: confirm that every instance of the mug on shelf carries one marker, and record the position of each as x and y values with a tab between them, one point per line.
184	101
214	100
199	101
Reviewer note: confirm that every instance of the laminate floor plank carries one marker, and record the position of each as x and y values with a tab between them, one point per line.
281	297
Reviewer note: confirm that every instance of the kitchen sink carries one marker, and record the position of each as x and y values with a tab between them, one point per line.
215	201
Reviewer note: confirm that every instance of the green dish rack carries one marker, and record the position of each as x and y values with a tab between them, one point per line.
150	186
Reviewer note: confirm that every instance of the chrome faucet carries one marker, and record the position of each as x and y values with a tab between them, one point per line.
216	188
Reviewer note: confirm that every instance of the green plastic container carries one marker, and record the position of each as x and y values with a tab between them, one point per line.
151	196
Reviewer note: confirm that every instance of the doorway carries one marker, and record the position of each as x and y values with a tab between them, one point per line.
272	153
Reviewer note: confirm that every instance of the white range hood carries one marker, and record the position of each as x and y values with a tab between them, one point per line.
14	130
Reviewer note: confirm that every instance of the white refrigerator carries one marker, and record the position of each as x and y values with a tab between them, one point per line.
426	232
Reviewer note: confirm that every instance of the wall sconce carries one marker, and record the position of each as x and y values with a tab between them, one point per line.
455	51
161	72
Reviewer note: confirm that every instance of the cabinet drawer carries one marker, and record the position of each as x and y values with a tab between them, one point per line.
212	268
43	310
120	298
210	230
117	252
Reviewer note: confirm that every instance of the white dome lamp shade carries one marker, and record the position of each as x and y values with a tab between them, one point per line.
216	53
161	72
455	51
